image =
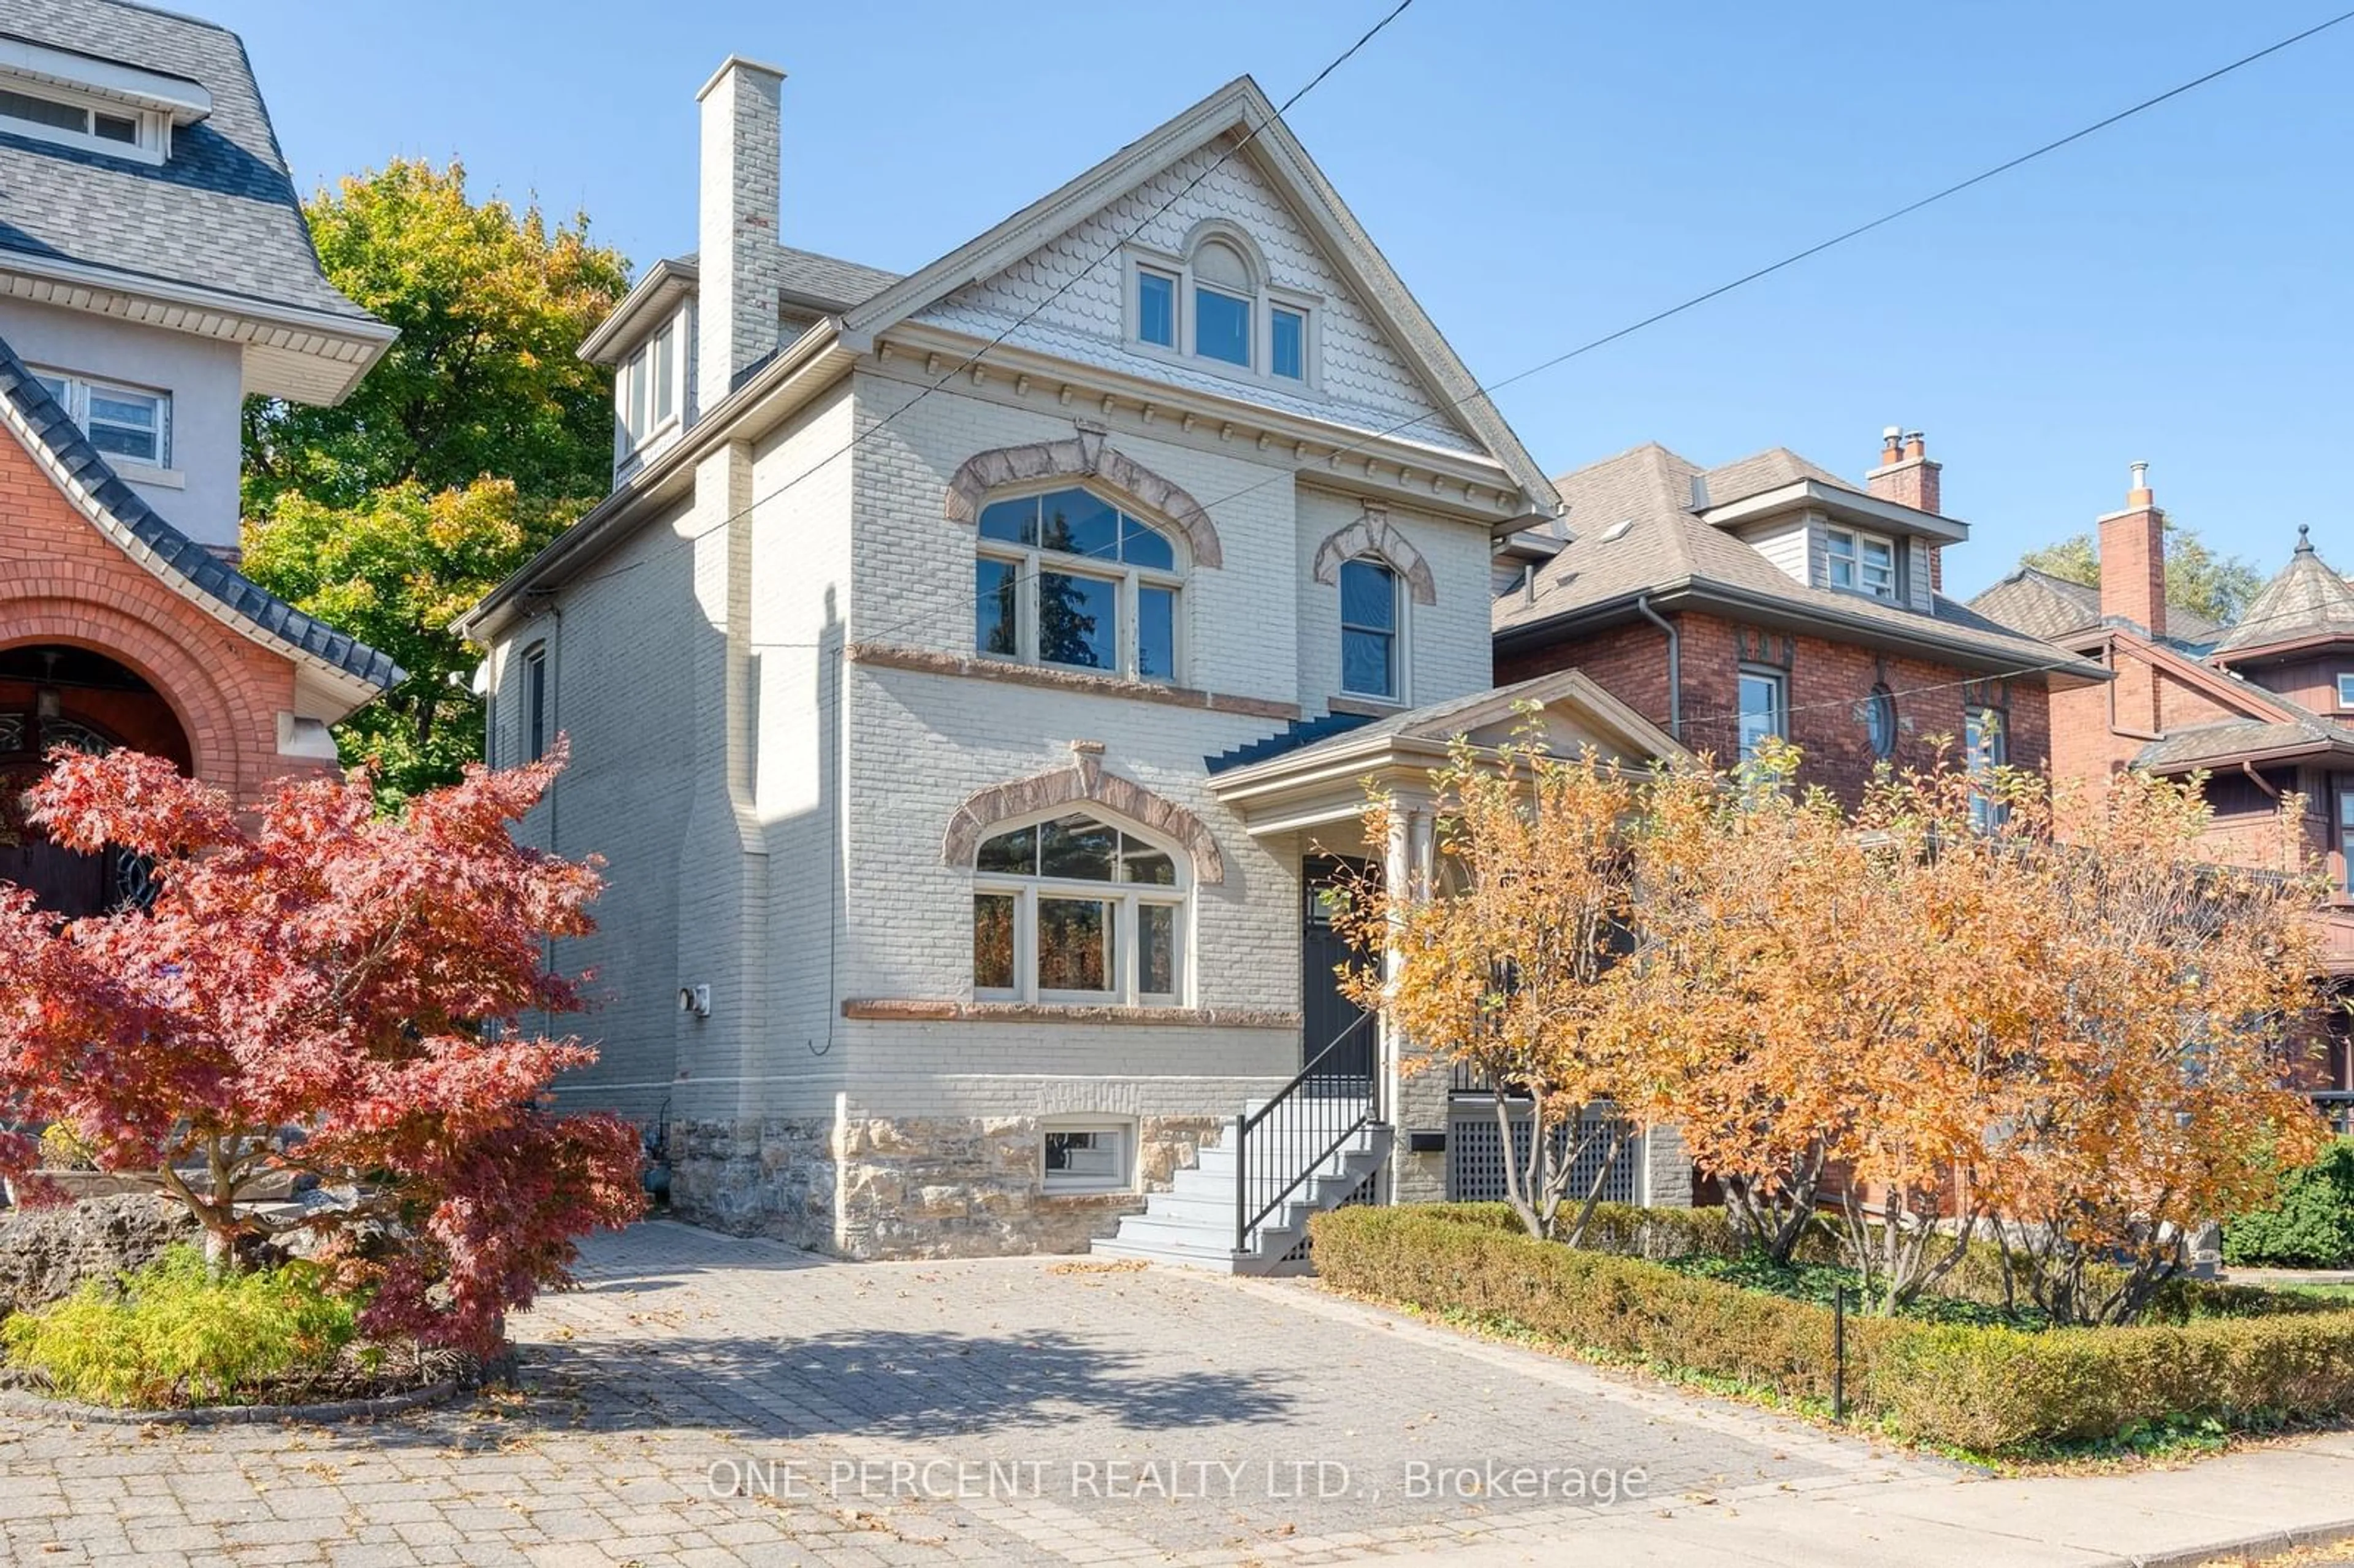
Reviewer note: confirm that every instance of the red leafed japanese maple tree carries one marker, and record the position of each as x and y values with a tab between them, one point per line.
319	990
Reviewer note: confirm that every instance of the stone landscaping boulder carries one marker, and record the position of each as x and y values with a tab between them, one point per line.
46	1254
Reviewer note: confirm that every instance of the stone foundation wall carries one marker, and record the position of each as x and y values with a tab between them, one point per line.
773	1178
907	1187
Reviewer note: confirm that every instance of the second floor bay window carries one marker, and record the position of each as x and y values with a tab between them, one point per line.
1068	578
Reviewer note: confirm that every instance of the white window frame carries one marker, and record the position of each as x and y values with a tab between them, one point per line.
73	390
1029	560
1121	1180
1127	898
1778	680
536	708
1398	606
153	141
1856	560
2346	691
662	351
1265	298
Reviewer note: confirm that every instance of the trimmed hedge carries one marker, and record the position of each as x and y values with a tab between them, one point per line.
1984	1389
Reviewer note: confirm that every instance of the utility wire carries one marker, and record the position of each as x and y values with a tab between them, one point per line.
1722	289
1114	249
1815	249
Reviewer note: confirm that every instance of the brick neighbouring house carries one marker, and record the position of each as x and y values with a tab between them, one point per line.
154	269
1768	595
2263	707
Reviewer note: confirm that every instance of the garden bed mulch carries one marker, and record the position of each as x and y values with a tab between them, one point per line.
347	1392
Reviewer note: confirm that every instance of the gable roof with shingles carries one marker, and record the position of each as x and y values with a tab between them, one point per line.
220	215
2306	602
1668	547
189	568
2042	605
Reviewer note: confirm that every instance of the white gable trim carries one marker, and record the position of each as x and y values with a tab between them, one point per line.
1241	108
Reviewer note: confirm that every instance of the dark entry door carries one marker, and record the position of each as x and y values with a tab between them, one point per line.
1325	1013
65	882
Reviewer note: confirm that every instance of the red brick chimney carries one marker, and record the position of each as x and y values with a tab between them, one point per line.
1907	477
2133	559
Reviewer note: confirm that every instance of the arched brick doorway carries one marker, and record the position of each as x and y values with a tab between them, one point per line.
53	696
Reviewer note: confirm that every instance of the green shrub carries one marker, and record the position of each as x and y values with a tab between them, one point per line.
2311	1225
1986	1389
171	1333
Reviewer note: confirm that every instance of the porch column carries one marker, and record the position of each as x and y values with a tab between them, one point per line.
1415	1100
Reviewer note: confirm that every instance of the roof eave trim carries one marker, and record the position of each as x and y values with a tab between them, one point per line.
618	332
1852	503
1702	592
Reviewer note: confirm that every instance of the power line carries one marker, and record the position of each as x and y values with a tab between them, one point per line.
1109	251
1815	249
1792	260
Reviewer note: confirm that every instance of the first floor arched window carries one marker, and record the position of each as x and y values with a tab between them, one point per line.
1074	908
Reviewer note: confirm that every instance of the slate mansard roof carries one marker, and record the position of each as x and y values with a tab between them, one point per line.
143	533
220	215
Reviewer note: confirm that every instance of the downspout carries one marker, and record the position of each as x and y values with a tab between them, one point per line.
1675	664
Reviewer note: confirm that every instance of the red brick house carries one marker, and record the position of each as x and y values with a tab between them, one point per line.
1771	597
2263	708
154	271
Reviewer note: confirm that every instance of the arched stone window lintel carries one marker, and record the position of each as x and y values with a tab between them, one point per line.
1084	783
1087	455
1373	535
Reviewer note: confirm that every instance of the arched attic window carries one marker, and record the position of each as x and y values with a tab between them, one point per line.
1068	577
1216	303
1075	908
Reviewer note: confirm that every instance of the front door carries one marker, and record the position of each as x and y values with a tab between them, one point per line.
1325	1013
64	881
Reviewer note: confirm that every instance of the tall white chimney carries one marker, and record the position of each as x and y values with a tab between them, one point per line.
739	268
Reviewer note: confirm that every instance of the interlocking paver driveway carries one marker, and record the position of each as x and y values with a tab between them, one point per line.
709	1400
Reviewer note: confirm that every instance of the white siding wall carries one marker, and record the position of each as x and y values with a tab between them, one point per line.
1793	544
206	379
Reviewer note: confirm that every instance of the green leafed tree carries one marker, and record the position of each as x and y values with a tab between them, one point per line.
491	304
2198	580
472	443
394	570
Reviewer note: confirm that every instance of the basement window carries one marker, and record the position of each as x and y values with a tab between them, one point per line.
1092	1158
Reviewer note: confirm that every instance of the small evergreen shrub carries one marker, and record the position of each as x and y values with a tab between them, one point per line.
173	1333
2310	1227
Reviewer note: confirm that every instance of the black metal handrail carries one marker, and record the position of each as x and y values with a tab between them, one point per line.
2337	1108
1328	1105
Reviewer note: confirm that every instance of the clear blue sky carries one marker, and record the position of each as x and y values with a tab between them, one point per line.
2177	288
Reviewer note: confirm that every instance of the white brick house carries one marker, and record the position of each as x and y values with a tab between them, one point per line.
846	664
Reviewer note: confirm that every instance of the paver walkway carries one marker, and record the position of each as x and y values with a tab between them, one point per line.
706	1400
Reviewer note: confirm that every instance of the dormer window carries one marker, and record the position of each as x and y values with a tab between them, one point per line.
51	114
1215	304
645	389
1861	563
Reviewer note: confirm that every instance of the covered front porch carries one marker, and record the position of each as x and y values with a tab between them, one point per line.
1373	1116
